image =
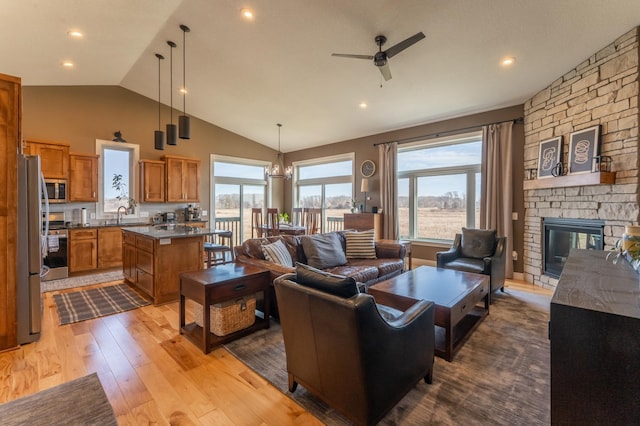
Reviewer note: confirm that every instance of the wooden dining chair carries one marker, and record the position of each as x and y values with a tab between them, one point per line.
312	220
257	224
297	218
273	223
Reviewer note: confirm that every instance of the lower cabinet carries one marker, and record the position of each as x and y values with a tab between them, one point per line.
95	248
109	247
154	265
83	250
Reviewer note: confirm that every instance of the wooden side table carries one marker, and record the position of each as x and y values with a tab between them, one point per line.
216	285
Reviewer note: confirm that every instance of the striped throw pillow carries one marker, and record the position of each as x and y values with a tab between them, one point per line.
277	253
360	245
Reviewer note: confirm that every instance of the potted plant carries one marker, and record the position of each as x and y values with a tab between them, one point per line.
354	206
283	217
119	185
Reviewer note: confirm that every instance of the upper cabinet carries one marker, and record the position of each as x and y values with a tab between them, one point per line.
54	157
152	181
182	179
83	177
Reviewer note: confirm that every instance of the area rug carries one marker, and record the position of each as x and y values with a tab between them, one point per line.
73	282
96	302
500	376
78	402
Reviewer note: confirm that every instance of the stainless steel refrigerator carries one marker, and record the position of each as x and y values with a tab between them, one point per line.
29	305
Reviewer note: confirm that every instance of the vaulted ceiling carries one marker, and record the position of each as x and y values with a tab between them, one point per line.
246	76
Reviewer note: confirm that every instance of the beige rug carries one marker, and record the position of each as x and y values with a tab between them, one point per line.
499	377
80	281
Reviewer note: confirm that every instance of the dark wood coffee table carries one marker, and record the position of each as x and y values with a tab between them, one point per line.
456	295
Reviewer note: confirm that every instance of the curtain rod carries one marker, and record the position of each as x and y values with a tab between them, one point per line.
446	132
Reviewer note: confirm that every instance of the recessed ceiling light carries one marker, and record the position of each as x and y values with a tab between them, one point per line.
75	34
68	64
508	61
247	14
363	105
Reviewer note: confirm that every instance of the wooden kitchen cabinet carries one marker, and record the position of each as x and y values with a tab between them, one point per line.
182	179
129	256
54	157
109	247
10	137
83	250
83	177
152	181
364	222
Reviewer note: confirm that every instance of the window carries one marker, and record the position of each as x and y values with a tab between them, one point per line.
439	187
116	175
238	186
325	183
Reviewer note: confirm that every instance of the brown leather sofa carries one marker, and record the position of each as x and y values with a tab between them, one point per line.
479	251
344	351
389	261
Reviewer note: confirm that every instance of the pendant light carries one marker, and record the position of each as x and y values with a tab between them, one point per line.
184	121
278	170
159	134
172	130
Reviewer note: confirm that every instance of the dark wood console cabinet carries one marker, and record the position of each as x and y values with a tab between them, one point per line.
595	342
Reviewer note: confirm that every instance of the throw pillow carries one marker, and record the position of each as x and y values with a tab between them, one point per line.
477	243
337	285
323	250
360	245
277	253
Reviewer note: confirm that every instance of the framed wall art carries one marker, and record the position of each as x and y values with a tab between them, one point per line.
549	156
583	146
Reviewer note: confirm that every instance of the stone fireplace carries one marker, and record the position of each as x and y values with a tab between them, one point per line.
561	235
603	90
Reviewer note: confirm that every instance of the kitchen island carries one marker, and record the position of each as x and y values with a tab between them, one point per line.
154	256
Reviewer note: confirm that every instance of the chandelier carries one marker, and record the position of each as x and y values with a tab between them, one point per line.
278	170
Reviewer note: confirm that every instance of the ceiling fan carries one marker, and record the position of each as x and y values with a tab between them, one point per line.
381	57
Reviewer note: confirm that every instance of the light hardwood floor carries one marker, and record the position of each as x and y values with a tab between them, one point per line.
150	373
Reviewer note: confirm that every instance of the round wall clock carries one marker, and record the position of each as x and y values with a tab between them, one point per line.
367	168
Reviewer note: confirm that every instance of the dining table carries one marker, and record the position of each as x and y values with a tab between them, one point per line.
285	229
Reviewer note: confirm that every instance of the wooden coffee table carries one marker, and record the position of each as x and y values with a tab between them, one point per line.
456	295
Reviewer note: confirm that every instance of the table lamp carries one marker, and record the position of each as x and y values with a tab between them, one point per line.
364	188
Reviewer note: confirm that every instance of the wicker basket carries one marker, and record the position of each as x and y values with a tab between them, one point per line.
228	317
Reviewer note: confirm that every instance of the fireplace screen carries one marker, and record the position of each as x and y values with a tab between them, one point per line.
561	235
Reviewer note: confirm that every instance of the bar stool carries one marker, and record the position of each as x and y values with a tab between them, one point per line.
214	249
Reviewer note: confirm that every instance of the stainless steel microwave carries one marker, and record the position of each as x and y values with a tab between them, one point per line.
56	190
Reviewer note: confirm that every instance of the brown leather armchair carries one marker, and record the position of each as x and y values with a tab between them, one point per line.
479	251
340	348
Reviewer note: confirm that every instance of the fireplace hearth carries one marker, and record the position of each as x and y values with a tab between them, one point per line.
560	235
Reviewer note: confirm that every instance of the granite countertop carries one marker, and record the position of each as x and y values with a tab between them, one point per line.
130	224
169	231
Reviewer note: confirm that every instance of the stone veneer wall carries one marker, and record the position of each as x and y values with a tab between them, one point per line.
602	90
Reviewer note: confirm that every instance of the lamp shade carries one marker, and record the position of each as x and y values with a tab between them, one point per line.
364	185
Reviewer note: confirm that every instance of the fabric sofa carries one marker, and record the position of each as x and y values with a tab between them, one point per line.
386	260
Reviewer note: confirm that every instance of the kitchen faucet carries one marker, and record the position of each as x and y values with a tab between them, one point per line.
120	215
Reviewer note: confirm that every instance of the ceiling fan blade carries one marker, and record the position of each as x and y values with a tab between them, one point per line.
395	49
346	55
385	71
